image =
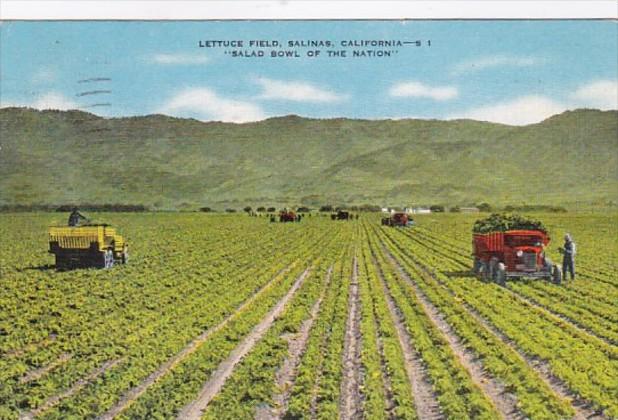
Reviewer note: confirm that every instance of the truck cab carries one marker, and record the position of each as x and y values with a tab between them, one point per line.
524	251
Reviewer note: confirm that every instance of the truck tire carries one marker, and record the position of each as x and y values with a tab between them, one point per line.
62	263
556	274
501	274
109	259
493	265
476	267
484	271
124	258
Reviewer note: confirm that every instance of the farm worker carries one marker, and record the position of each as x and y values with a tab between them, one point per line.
568	259
76	217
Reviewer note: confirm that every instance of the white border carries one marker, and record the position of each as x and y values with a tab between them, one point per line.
304	9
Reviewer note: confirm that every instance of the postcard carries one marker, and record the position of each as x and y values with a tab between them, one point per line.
308	218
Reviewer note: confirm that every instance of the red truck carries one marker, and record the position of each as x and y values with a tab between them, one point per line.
513	254
287	216
397	219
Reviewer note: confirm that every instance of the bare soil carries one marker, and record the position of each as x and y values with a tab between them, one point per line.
505	402
286	375
131	395
582	407
193	410
74	389
425	400
32	346
563	318
38	373
351	399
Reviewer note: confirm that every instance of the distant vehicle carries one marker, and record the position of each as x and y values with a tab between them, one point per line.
513	254
92	245
398	219
341	215
288	216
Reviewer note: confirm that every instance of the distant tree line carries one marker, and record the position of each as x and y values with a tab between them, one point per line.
327	208
536	207
435	208
69	207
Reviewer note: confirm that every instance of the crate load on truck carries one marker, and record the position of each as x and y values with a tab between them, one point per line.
510	246
399	219
91	245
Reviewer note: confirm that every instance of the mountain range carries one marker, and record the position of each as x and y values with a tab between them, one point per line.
56	157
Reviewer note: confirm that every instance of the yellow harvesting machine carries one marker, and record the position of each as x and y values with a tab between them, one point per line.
87	246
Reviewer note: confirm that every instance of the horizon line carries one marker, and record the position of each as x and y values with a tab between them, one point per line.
298	116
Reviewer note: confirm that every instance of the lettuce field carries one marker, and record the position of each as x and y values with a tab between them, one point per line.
234	317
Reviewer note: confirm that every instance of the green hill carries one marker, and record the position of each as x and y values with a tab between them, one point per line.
50	157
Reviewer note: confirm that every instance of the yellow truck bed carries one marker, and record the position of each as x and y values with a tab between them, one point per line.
82	245
80	237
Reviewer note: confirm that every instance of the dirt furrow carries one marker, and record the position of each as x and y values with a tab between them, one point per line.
38	373
531	300
581	406
350	401
505	402
131	395
550	313
425	401
193	410
285	376
388	387
30	347
74	389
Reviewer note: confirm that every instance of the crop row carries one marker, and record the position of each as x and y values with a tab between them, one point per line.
587	365
167	396
316	390
535	398
387	388
457	395
252	386
159	333
589	305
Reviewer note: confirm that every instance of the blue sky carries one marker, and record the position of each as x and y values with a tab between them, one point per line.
513	72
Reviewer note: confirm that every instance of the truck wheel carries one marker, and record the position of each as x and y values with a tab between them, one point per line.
124	258
501	274
484	271
109	258
556	274
493	265
61	263
476	267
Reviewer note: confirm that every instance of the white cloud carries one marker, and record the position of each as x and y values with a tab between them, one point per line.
54	100
602	94
296	91
530	109
49	100
487	62
519	111
178	59
205	104
420	90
